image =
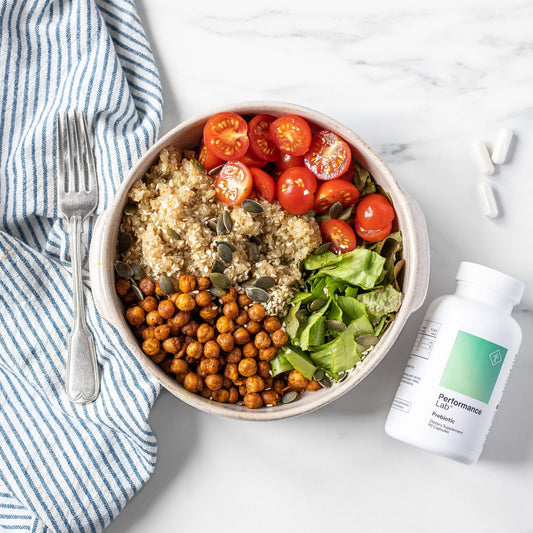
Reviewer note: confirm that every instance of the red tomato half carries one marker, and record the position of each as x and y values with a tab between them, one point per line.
251	160
295	190
340	234
374	212
291	134
225	136
208	160
333	191
234	183
264	184
261	143
350	172
286	161
373	235
328	156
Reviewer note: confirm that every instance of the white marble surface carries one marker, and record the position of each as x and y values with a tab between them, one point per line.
419	81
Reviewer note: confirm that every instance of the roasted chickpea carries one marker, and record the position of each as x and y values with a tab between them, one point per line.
149	304
253	327
136	315
172	345
193	382
151	346
255	383
231	371
271	323
147	286
252	400
181	351
231	310
203	298
211	349
214	381
244	300
234	355
256	312
270	397
206	393
130	298
233	396
203	283
263	369
165	365
221	395
123	286
205	333
225	325
153	318
279	337
185	302
148	332
187	283
243	391
268	382
195	350
247	367
210	366
179	319
158	290
225	341
159	357
208	313
230	296
278	385
241	336
313	386
242	318
162	332
191	328
262	340
166	309
267	354
298	380
179	366
227	383
249	350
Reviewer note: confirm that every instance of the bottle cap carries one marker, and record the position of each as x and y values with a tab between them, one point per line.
499	282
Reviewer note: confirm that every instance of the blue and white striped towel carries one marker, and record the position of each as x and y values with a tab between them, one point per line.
65	467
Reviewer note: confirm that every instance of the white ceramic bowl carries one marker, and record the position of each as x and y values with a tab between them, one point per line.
187	135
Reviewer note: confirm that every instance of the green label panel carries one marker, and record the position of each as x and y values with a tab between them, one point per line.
473	366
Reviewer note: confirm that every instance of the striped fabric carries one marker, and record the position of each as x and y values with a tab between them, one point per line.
65	467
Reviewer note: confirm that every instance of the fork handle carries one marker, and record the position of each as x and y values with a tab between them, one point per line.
82	379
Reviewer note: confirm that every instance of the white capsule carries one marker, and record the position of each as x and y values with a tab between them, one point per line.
483	158
489	206
502	146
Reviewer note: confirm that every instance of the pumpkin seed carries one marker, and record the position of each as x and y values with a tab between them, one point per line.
265	283
173	234
165	284
255	239
220	280
217	292
124	270
224	252
248	283
323	248
316	304
197	165
221	228
335	325
216	170
138	293
301	316
319	374
253	250
138	272
322	217
212	225
257	294
346	214
228	222
228	244
218	266
289	397
335	210
130	209
325	381
252	206
342	376
367	340
124	242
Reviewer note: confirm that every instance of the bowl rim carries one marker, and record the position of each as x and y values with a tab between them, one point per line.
416	274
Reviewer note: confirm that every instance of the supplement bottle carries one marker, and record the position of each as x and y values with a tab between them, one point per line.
459	365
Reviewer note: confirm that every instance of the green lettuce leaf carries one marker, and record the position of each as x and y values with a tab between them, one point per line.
280	364
380	302
299	361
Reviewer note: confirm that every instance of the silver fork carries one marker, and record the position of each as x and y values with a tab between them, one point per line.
78	197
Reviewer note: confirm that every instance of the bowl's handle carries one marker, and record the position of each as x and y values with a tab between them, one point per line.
99	266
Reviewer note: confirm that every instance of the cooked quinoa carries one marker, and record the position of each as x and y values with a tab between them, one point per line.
176	194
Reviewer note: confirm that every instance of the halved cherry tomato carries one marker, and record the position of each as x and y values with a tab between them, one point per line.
291	134
373	235
251	160
264	184
225	136
328	156
295	190
208	160
349	174
234	183
261	143
340	234
374	212
333	191
286	161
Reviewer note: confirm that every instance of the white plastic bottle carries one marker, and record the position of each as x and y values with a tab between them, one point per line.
459	366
